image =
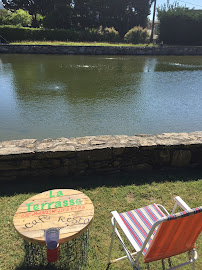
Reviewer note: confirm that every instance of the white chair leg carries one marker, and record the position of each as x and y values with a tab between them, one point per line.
112	240
193	264
136	267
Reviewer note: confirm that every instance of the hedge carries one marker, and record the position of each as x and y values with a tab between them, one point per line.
13	33
180	26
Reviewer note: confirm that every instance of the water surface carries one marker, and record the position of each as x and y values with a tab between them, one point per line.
51	96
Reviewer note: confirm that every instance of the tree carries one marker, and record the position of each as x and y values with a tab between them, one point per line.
34	7
19	17
4	16
61	16
125	14
120	14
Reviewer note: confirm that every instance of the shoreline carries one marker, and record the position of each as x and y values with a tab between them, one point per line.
100	50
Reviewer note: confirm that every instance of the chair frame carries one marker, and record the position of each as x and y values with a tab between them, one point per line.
135	261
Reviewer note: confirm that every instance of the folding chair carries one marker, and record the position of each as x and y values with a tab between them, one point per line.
158	235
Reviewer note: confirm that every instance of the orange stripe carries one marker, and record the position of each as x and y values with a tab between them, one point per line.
174	237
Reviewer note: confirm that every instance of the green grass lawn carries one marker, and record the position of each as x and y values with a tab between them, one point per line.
61	43
108	193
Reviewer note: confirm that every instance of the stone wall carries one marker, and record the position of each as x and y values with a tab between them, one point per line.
101	50
99	154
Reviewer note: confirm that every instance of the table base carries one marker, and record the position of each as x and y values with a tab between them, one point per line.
72	255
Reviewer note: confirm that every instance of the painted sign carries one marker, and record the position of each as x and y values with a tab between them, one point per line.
69	210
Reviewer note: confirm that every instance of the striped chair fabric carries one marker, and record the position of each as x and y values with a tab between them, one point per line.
140	221
176	235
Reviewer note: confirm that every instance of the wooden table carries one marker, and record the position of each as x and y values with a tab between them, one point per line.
69	210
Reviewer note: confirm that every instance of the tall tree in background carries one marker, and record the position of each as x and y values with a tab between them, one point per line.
124	14
61	16
120	14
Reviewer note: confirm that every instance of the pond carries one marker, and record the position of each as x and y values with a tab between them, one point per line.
52	96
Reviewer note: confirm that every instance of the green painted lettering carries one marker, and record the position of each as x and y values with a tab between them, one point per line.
51	195
71	202
42	205
49	205
78	201
58	204
65	203
36	207
59	193
28	206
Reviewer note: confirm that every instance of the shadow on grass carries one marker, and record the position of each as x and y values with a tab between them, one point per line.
40	184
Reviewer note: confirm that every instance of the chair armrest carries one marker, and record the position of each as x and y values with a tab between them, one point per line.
181	203
118	219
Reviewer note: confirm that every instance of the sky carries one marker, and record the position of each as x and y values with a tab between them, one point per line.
197	4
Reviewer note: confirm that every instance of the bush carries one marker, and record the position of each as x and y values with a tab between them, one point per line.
14	33
136	35
111	35
179	25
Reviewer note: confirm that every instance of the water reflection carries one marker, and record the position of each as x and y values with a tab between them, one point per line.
62	96
78	79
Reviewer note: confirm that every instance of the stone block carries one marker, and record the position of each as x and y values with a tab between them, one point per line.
161	157
96	154
138	167
14	165
55	155
142	167
49	163
116	163
82	166
118	151
181	158
99	164
197	156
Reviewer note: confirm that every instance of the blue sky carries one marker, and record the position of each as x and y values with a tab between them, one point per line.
197	4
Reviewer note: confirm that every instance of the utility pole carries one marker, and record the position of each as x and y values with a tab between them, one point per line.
152	31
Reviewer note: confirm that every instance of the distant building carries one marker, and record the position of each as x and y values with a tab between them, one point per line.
156	23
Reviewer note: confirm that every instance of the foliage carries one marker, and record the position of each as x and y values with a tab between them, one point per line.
32	6
60	17
4	16
136	35
13	33
180	25
79	14
120	14
111	35
19	17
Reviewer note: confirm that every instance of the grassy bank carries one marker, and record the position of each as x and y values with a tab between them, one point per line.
124	192
61	43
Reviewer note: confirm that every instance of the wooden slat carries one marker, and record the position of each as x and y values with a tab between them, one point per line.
71	220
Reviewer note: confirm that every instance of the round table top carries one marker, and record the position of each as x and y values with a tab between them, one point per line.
68	210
